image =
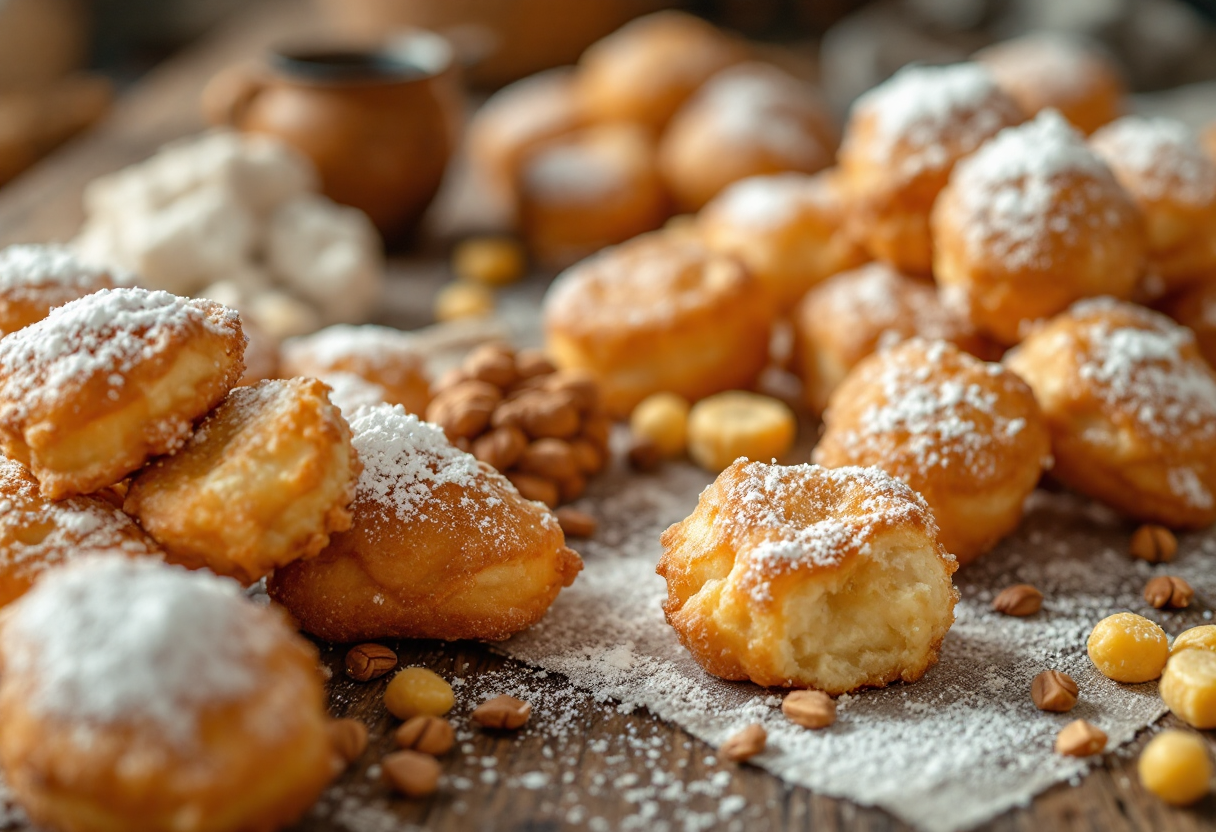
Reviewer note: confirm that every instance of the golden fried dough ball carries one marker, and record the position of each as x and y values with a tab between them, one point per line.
1163	166
142	697
1131	406
442	546
788	229
102	384
658	313
747	120
1195	308
34	279
264	481
519	117
902	139
850	315
645	70
588	189
966	435
37	534
801	576
1031	222
1058	71
380	355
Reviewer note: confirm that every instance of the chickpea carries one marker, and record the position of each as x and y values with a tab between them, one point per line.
1128	648
416	691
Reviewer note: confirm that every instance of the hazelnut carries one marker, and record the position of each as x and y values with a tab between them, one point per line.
1054	691
644	454
1080	739
1018	600
500	448
576	523
365	662
552	459
744	743
428	734
1167	591
503	712
1155	544
532	487
809	708
411	773
349	739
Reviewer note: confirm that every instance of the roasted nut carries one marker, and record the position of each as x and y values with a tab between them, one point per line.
459	300
579	385
1155	544
587	456
416	690
809	708
365	662
450	378
493	364
504	712
349	739
489	261
1188	687
552	459
644	454
662	417
576	523
1128	648
540	414
596	429
531	363
571	488
1168	591
464	410
411	773
744	744
428	734
500	448
532	487
1054	691
1176	767
1019	600
1080	739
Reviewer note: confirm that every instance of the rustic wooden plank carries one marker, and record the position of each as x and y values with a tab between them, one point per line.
593	770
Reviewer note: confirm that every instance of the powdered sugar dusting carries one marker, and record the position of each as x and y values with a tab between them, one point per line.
111	641
766	202
342	343
1158	159
350	392
54	272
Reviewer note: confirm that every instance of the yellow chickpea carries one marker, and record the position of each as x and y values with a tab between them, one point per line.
1176	767
463	300
724	427
1196	638
1188	687
1128	648
663	419
416	691
490	261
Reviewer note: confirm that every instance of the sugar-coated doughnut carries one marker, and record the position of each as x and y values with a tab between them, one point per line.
1163	166
588	189
142	697
1031	222
802	576
442	546
658	313
788	229
850	315
265	480
965	434
1131	406
37	534
1195	308
350	392
380	355
645	70
92	391
747	120
34	279
1058	71
902	139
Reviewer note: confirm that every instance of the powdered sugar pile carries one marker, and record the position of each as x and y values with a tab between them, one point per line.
30	272
350	392
1159	159
112	640
1032	184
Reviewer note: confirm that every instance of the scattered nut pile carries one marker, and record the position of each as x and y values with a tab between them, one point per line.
545	429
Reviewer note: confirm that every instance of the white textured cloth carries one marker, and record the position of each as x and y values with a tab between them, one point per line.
946	753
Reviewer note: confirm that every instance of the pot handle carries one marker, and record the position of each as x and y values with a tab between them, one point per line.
230	92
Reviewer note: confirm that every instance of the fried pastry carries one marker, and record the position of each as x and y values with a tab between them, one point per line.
658	313
380	355
37	534
645	70
966	435
1195	308
442	546
749	119
788	229
1054	70
141	697
1131	407
902	140
34	279
265	480
588	189
802	576
102	384
850	315
1031	222
1163	166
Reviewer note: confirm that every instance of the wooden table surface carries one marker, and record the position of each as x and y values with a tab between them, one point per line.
577	777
